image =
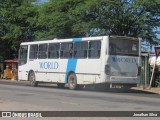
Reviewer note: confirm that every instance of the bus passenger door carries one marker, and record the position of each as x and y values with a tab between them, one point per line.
23	52
22	73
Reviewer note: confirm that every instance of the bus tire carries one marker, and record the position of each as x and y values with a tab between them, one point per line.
61	85
72	81
32	80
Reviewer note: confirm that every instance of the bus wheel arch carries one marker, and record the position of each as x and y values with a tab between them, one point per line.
32	78
72	81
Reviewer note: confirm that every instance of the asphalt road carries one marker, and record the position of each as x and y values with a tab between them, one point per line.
19	96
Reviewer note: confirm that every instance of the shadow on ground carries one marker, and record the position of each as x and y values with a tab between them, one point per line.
94	89
85	88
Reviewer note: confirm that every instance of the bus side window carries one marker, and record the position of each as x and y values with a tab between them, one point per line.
53	51
94	49
42	53
70	47
66	50
80	49
33	52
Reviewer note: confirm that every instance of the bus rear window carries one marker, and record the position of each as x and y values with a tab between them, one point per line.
121	46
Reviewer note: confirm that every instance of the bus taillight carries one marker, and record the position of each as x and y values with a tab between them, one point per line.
107	69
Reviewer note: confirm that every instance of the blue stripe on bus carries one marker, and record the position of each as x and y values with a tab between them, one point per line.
76	39
72	63
71	66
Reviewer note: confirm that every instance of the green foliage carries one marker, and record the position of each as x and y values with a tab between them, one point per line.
56	20
99	17
23	21
16	24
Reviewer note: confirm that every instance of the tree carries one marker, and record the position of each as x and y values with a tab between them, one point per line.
56	20
21	20
15	25
99	17
122	17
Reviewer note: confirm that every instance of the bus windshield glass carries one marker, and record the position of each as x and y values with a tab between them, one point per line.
120	46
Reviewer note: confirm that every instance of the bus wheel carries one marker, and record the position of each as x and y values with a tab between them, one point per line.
72	81
61	85
32	80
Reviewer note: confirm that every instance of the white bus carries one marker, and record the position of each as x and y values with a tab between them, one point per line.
104	60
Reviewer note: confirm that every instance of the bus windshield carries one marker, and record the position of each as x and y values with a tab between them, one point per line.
120	46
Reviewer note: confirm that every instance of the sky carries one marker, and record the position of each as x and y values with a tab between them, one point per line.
43	0
40	1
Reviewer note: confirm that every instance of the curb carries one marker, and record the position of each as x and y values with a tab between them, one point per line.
152	90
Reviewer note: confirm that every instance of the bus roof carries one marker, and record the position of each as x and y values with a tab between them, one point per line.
62	40
76	39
